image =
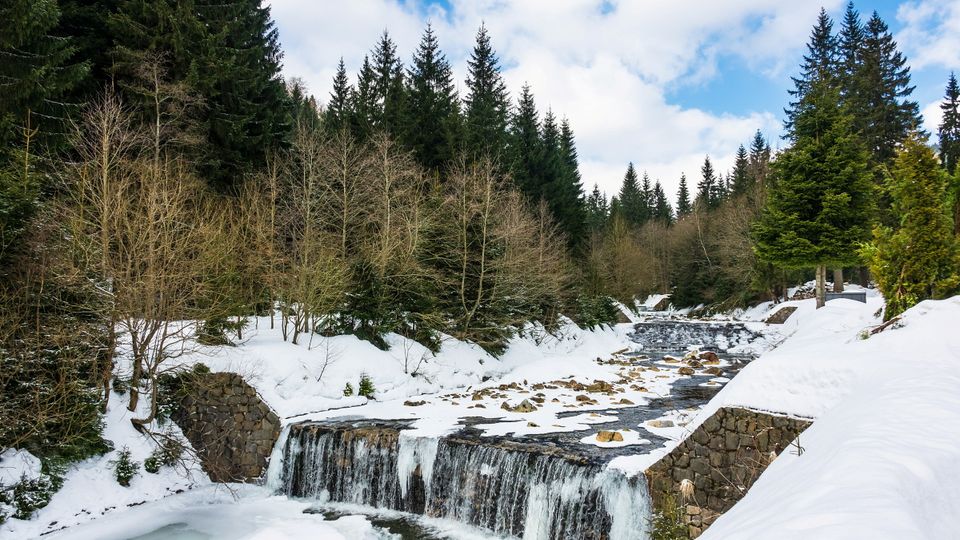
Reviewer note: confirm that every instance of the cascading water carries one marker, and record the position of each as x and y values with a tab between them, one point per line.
522	490
672	336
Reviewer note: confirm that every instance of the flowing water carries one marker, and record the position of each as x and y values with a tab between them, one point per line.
533	487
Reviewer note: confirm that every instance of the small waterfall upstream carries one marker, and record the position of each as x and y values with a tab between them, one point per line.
672	336
518	489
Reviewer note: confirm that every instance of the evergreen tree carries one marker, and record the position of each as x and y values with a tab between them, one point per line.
388	87
949	131
363	106
432	105
487	103
740	180
525	147
919	258
37	68
819	208
337	115
661	210
759	160
597	211
850	53
819	64
630	202
883	114
646	193
684	206
304	110
707	188
570	188
235	66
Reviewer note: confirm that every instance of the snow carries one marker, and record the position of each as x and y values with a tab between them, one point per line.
881	460
17	465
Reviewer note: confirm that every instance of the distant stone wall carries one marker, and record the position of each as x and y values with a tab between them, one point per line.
722	458
228	424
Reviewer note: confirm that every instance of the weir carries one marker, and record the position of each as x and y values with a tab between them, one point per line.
511	488
672	336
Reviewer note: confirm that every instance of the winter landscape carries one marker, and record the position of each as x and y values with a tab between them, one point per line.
295	270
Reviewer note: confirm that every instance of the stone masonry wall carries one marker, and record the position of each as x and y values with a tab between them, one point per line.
721	459
230	427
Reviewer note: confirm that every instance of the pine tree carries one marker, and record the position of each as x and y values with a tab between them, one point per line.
759	160
570	188
597	211
707	190
819	64
630	202
850	53
819	209
919	258
526	152
235	66
304	110
646	194
949	131
662	211
740	180
388	90
432	105
684	206
883	114
487	103
37	68
337	115
363	106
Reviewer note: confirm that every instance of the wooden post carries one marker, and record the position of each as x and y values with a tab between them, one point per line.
821	285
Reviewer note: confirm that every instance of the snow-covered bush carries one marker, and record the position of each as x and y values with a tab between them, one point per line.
32	494
667	522
348	390
124	467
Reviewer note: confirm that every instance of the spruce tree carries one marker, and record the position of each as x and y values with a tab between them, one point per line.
918	259
759	160
949	130
883	112
818	210
570	188
432	105
707	191
337	115
684	206
850	53
661	210
630	202
597	211
819	64
363	105
526	151
487	104
740	181
646	194
388	87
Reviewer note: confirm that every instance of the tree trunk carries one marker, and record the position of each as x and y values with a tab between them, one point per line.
821	285
838	280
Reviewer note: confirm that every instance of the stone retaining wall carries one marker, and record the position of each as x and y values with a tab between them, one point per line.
231	428
721	459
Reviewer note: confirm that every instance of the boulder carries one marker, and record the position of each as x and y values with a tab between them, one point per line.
609	436
660	423
409	403
524	407
709	356
686	371
625	401
713	370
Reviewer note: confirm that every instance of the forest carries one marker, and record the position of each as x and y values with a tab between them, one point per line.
160	180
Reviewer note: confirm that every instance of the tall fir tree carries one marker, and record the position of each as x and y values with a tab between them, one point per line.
597	211
850	53
819	65
949	129
525	149
740	180
709	186
630	201
363	103
759	160
487	104
337	114
646	193
819	209
661	209
684	206
918	258
432	127
388	87
883	112
570	189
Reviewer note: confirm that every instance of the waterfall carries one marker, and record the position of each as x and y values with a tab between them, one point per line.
675	336
530	491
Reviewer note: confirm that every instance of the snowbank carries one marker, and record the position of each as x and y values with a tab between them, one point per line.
882	459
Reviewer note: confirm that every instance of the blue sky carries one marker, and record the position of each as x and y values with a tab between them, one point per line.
661	83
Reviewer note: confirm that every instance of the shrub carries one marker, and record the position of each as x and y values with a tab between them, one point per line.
31	495
667	522
593	311
366	388
152	464
348	390
124	467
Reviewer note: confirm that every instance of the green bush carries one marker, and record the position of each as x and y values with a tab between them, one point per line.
30	495
667	522
593	311
152	464
366	388
348	390
124	467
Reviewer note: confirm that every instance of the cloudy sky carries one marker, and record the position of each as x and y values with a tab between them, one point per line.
660	83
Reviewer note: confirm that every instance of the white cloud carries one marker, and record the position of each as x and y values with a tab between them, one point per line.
931	32
609	73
